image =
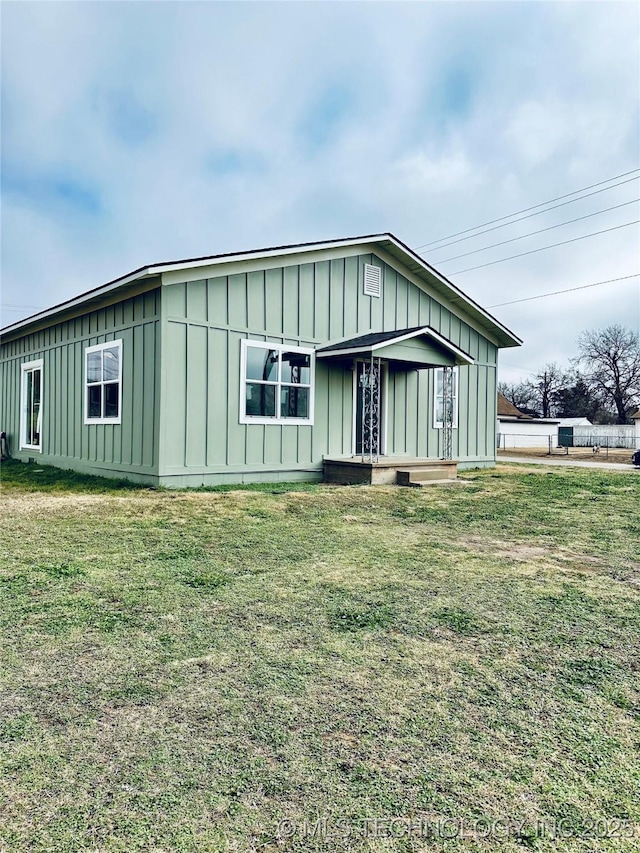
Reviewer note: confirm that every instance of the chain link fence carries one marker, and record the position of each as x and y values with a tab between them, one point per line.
596	442
626	441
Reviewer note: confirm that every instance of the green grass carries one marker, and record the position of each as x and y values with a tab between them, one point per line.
181	671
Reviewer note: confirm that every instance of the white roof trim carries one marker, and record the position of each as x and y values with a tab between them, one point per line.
450	286
527	420
282	251
79	300
266	253
425	330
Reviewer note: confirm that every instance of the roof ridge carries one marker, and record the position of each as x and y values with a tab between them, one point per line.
388	242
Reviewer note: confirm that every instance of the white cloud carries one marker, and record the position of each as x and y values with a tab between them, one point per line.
451	171
209	127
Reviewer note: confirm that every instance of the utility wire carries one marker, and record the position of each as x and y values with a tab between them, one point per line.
540	231
543	248
530	215
533	207
566	290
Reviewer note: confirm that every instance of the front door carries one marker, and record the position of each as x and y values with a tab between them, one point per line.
368	408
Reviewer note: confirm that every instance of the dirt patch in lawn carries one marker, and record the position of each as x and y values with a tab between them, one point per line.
522	552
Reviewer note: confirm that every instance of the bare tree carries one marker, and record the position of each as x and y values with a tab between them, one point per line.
546	387
611	359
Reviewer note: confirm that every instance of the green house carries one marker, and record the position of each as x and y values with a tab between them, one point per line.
256	366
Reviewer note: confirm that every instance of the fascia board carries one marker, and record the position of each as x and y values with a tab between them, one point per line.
383	344
77	302
237	266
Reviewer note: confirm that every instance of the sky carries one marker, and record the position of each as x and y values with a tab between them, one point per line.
139	132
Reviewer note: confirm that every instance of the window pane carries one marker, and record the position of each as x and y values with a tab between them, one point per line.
440	411
111	364
35	415
294	402
261	400
94	366
29	407
296	368
111	400
439	381
93	401
262	364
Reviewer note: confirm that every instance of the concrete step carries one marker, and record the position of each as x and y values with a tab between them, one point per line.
422	484
432	473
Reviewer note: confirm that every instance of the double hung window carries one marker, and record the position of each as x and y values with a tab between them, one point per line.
103	383
439	402
276	383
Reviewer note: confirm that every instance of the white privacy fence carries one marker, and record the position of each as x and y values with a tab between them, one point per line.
600	435
626	440
538	433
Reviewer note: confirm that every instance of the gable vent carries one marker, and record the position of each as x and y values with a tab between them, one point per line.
372	280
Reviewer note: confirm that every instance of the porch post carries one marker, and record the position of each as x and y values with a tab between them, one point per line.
377	372
447	413
370	419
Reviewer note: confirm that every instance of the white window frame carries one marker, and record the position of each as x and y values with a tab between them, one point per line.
456	374
98	348
28	367
277	419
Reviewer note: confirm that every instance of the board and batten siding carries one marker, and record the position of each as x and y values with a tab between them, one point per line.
409	415
127	449
304	304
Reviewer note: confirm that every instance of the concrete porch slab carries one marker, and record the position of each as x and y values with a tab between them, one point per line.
353	470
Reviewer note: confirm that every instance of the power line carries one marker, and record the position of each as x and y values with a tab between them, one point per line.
540	231
567	290
530	215
533	207
543	248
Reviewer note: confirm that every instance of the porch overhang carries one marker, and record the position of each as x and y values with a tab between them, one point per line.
417	348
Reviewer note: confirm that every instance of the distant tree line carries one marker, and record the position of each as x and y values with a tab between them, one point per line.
602	383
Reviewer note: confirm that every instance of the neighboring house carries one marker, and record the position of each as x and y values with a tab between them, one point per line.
248	367
516	429
574	422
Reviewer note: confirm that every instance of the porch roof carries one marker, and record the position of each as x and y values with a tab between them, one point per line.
420	346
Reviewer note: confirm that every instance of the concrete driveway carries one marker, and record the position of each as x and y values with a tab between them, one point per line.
568	463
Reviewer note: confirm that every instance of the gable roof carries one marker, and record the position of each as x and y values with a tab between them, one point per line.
386	242
575	422
375	341
507	409
508	412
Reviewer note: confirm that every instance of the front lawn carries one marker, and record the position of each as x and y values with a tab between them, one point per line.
292	668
